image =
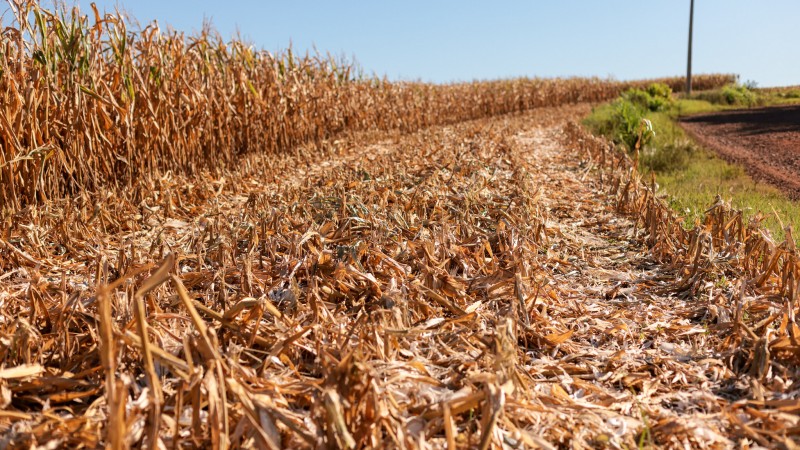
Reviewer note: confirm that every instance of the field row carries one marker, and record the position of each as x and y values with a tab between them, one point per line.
89	104
503	281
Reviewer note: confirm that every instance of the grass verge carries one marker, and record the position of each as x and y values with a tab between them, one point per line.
689	176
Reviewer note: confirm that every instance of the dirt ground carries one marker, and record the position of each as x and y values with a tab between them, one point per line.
765	140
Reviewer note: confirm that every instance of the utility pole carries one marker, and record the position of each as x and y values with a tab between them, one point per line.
689	59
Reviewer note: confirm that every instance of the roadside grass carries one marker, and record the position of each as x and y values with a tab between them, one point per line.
736	97
689	176
780	96
689	106
692	190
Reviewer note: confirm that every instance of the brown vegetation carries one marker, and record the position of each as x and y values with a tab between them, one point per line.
502	281
88	104
461	286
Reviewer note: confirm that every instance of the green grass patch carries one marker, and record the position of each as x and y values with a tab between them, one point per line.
732	95
781	96
692	190
690	106
689	176
736	96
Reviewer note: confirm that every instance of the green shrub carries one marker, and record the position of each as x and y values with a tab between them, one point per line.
668	158
621	121
732	94
638	97
660	90
739	95
657	97
625	121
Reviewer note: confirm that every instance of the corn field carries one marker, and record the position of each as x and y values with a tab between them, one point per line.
207	246
89	104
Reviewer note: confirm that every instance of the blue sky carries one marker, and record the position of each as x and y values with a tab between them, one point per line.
449	40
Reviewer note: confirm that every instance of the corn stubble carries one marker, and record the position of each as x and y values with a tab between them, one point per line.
208	246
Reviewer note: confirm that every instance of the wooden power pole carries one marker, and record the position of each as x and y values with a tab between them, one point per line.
689	59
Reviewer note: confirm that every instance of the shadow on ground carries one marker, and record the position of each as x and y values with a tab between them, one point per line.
755	121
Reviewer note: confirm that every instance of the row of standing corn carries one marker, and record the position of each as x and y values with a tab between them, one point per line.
87	103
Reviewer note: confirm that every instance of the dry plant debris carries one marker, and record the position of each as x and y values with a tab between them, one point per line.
501	283
89	101
203	245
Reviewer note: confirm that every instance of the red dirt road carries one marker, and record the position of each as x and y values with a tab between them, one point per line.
765	140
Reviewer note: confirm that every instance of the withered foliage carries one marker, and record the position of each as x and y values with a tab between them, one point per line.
506	282
87	103
739	283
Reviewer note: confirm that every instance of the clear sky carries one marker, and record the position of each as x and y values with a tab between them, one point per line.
448	40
